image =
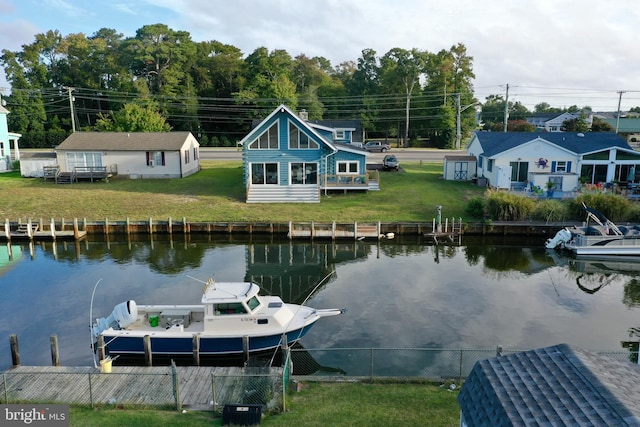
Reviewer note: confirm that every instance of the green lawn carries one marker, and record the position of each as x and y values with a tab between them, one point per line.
217	194
315	404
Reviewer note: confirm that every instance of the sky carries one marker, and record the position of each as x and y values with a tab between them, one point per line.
562	52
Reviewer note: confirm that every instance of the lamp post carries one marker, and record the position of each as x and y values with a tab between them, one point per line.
458	125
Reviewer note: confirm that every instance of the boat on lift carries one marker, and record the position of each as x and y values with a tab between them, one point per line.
233	319
598	237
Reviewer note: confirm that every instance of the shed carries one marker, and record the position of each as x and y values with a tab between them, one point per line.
551	386
459	168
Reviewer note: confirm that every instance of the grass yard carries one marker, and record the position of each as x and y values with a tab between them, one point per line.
217	194
316	404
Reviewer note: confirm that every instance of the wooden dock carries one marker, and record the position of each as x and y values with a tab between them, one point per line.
193	387
334	230
40	231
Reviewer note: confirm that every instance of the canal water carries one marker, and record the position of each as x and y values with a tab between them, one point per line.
403	293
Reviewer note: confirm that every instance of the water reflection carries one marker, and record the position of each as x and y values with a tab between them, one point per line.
404	293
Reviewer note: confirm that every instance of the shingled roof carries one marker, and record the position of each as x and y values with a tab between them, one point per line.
558	385
125	141
494	143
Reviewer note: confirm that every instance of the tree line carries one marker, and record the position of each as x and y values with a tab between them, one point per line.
160	80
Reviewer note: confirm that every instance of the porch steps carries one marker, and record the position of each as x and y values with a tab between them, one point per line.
277	194
374	185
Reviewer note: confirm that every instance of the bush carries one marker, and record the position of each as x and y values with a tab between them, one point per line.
550	211
506	206
475	208
613	206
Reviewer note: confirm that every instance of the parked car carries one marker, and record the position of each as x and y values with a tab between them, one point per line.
389	162
377	146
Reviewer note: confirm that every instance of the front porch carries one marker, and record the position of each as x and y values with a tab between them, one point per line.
345	182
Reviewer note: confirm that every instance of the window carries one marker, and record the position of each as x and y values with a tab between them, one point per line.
340	134
155	158
299	139
83	159
186	156
267	141
348	167
490	165
304	173
561	166
264	173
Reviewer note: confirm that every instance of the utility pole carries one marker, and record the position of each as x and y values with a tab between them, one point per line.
619	102
506	108
460	109
73	114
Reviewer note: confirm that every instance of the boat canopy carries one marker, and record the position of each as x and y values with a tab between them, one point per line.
226	292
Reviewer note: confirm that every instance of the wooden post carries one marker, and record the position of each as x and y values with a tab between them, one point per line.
7	229
76	229
355	230
29	229
245	348
102	351
106	226
170	227
333	230
196	349
150	225
15	350
148	356
184	225
128	226
55	356
53	228
290	231
312	229
61	224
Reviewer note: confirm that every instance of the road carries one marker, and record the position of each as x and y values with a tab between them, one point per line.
403	154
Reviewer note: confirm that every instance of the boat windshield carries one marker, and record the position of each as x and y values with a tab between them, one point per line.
253	303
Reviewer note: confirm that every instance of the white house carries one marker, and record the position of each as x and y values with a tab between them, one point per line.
7	139
512	159
552	122
134	154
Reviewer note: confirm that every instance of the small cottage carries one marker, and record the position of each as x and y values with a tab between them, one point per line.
132	154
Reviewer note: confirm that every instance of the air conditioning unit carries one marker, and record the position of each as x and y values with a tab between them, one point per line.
151	163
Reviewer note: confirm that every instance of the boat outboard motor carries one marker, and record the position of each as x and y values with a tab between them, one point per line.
123	315
559	240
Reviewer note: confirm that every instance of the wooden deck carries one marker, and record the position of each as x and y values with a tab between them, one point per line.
134	385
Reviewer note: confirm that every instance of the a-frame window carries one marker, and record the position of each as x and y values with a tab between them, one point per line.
268	140
300	140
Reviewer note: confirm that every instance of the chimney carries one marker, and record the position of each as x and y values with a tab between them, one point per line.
304	115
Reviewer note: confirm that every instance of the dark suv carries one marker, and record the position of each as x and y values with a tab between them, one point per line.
389	162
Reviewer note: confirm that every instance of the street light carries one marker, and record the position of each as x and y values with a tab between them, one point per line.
458	126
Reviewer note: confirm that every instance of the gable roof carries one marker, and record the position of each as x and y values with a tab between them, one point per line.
125	141
494	143
558	385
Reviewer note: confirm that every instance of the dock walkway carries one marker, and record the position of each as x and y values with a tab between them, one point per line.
191	387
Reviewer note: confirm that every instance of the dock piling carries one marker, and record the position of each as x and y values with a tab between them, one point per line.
15	350
55	355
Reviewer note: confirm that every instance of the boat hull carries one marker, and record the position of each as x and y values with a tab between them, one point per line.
118	344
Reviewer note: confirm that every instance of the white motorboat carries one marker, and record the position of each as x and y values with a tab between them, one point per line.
232	320
597	237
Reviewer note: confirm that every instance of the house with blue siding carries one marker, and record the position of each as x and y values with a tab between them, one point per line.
290	160
509	160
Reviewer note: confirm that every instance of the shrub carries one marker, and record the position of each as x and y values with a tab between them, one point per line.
505	206
613	206
475	208
550	211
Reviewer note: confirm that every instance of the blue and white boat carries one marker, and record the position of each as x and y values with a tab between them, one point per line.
232	320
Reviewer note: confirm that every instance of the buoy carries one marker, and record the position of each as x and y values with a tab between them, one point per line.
390	235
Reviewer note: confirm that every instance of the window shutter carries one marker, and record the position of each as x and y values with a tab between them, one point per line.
553	166
163	158
568	166
148	157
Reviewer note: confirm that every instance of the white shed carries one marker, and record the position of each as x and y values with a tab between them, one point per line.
459	168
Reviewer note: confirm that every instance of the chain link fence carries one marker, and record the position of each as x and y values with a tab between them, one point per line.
424	363
212	389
